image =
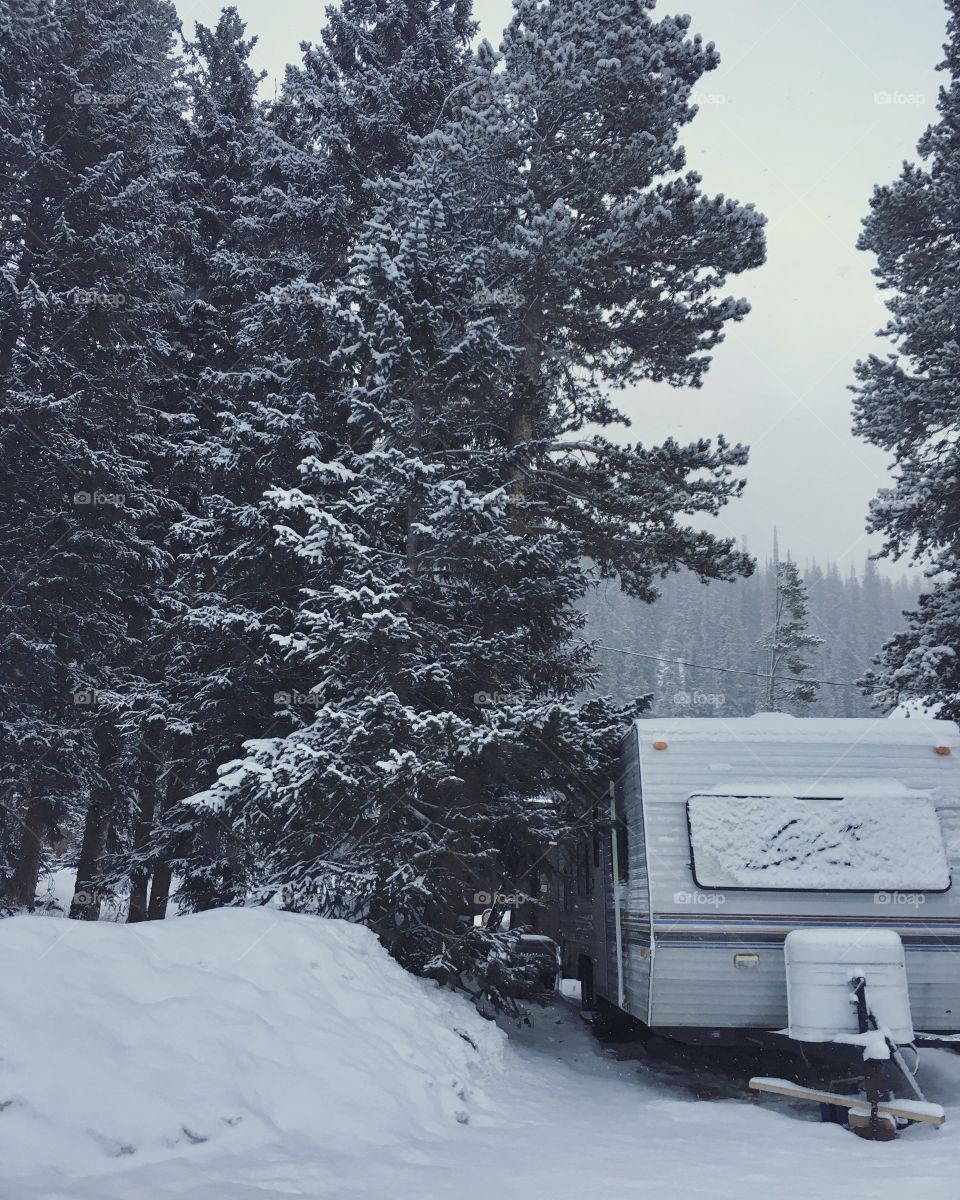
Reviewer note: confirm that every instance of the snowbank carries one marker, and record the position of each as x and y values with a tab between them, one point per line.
231	1030
314	1067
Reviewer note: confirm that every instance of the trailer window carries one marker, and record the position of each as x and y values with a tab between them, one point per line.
851	844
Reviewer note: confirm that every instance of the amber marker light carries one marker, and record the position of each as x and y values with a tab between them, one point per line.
663	746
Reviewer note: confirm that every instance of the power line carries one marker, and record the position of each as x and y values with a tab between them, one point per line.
679	662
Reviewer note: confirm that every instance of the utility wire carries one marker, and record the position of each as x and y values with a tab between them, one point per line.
679	662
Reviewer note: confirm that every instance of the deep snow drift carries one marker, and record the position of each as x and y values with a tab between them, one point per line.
249	1054
221	1033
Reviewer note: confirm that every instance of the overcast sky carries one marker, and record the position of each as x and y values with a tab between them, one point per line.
814	102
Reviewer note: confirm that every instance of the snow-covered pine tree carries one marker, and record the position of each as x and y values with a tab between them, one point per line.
789	686
428	732
607	263
225	143
199	662
908	401
731	622
88	99
380	77
448	533
345	117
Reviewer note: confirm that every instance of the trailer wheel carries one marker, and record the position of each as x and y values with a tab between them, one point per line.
613	1024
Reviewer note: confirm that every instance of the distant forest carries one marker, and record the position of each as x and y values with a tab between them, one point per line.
724	625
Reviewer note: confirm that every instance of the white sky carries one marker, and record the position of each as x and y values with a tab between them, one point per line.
794	120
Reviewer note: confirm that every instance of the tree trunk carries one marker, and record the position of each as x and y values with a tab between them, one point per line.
180	784
85	905
151	772
22	889
159	892
527	399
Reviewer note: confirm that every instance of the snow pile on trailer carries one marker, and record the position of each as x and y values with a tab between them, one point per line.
861	842
227	1032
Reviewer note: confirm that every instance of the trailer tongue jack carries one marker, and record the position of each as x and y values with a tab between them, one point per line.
889	1112
878	1114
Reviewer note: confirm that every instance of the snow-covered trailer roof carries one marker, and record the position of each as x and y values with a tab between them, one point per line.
783	729
885	766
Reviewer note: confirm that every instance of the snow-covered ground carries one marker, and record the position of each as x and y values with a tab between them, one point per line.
249	1054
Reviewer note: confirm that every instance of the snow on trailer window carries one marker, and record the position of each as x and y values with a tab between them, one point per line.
851	844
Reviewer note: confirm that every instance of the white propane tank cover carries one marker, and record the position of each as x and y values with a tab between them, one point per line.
820	966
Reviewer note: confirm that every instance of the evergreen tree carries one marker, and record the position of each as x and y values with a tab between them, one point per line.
380	79
787	642
449	531
728	626
453	724
907	401
89	104
349	114
208	652
607	262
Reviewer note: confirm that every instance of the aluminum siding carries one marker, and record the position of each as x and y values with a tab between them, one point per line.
697	932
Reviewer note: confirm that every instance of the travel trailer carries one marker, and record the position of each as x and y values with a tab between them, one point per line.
723	836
